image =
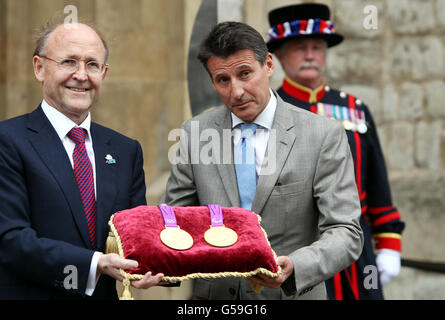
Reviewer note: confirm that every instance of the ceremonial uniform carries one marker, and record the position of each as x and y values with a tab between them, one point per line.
380	220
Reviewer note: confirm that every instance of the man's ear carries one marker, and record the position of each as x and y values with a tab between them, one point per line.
269	64
39	71
105	73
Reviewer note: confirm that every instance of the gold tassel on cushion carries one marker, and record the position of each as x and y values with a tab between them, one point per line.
126	294
111	246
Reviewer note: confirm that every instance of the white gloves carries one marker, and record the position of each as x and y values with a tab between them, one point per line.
388	264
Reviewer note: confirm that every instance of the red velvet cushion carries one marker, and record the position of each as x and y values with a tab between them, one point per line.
138	231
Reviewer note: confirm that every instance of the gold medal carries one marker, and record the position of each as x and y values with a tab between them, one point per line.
176	238
173	236
220	236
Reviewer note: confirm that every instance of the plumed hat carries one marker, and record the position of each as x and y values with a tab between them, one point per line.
307	20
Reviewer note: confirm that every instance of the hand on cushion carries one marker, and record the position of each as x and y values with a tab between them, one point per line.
110	264
287	268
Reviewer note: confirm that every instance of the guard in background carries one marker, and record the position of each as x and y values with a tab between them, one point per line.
299	36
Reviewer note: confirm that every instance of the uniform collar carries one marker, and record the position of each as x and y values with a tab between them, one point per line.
301	92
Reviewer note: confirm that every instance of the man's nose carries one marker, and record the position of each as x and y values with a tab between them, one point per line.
309	54
81	73
237	89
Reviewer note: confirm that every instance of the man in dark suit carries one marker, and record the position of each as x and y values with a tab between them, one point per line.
63	176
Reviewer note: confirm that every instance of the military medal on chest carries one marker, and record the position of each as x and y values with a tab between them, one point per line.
361	122
352	119
173	236
218	235
347	124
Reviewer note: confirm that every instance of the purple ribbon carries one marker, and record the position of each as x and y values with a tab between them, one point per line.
328	110
216	215
169	216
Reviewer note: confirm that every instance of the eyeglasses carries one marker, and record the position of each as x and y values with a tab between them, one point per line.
70	65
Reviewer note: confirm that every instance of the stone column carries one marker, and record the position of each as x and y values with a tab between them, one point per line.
201	92
18	62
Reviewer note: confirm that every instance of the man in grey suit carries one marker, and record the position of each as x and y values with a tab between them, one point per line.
302	183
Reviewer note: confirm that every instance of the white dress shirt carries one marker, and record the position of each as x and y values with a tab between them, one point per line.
261	136
62	124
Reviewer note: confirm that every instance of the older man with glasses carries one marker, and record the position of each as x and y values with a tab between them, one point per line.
58	187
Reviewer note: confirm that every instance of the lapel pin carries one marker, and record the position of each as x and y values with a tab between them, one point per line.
109	159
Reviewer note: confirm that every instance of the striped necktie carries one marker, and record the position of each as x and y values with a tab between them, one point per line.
83	171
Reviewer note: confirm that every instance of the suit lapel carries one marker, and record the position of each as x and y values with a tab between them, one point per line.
280	143
48	146
283	139
227	171
105	181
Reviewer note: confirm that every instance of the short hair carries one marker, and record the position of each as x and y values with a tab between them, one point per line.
43	33
226	38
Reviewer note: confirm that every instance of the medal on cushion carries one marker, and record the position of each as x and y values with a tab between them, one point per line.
218	235
173	236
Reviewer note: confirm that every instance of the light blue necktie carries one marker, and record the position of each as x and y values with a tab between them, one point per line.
245	165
